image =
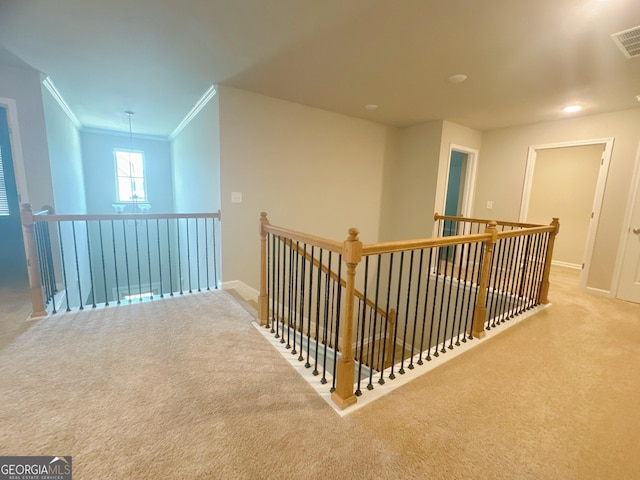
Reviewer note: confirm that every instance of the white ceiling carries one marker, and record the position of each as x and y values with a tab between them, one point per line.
525	59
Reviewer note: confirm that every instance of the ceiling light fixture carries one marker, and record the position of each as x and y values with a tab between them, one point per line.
572	108
371	106
457	78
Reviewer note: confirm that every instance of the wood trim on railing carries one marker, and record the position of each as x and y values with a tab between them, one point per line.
332	245
123	216
405	245
437	216
526	231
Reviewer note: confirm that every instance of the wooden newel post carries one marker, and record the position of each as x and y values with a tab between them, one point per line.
480	312
544	288
35	288
263	299
343	395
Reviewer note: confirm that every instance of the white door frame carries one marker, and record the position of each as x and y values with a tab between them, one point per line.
626	224
597	198
16	149
469	180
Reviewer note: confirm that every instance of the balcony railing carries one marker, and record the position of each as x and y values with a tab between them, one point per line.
359	315
80	261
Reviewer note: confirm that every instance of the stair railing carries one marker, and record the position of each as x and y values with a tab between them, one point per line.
436	293
78	261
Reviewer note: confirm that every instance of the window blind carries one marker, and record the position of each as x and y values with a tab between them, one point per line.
4	202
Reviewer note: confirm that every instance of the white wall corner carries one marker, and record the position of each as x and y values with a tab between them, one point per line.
200	104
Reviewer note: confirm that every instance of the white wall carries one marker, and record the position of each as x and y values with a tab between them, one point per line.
309	169
100	174
65	158
23	85
502	170
196	162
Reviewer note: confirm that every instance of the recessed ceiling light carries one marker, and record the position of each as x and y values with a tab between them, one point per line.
572	108
457	78
371	106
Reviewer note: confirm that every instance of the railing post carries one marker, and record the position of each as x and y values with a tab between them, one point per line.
544	288
391	320
480	312
263	300
343	395
35	288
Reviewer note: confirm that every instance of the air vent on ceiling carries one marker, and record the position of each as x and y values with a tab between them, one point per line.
628	41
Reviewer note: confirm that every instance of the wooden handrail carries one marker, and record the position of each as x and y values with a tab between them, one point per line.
123	216
332	245
437	216
405	245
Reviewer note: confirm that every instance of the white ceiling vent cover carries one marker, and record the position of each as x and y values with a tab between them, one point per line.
628	41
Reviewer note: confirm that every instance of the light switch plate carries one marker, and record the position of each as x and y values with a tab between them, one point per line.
236	197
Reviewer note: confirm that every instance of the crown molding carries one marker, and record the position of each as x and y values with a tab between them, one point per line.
48	84
118	133
200	104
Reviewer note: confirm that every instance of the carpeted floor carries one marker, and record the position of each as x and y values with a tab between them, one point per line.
187	388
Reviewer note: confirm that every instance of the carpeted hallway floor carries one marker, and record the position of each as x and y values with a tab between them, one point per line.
187	388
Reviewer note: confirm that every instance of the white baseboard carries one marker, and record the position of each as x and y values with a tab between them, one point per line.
558	263
247	292
599	292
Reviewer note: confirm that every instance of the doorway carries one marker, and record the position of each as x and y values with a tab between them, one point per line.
567	181
13	264
458	192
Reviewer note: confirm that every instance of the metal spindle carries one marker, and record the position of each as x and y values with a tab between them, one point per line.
115	262
93	289
198	254
170	263
64	268
188	256
206	256
146	223
179	256
75	249
160	257
395	333
104	269
138	262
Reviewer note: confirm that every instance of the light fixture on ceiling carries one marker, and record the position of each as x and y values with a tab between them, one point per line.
137	207
371	106
457	78
572	108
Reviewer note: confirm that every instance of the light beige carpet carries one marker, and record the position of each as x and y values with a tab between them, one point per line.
187	388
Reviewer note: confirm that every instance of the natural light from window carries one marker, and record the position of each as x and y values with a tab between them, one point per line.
130	176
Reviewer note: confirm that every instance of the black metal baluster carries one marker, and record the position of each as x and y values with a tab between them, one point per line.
392	375
468	287
318	303
372	342
170	263
358	392
296	256
64	268
337	330
475	276
138	261
104	269
159	257
325	333
446	316
215	254
425	306
115	262
515	282
302	285
433	309
381	381
75	249
308	364
417	306
506	294
197	253
126	260
93	288
457	319
290	306
406	321
206	257
188	256
146	223
179	256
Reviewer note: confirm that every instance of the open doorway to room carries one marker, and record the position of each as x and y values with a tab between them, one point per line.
567	181
13	264
460	179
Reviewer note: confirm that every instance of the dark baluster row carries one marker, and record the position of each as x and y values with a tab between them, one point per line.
128	260
304	302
